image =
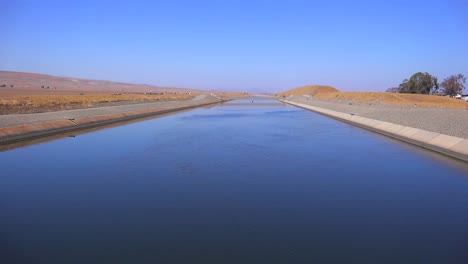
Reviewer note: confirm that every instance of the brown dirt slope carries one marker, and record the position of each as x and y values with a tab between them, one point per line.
309	90
394	98
16	83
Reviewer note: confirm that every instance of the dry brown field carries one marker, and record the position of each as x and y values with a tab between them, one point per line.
331	94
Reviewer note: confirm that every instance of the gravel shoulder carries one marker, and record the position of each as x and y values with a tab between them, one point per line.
26	119
453	122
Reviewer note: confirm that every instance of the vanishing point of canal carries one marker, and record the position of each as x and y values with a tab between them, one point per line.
241	182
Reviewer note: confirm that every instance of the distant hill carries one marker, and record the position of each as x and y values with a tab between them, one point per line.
39	83
310	90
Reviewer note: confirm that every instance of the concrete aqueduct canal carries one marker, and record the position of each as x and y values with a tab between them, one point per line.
240	182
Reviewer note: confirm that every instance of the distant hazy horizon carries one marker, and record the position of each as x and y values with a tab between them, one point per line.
259	46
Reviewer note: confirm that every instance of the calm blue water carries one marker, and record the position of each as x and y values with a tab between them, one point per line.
237	183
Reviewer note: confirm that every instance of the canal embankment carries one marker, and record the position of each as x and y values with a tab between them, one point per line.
19	127
438	129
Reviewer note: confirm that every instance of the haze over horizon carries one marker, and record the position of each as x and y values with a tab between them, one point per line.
260	46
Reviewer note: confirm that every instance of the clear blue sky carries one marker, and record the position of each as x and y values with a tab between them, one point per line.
245	45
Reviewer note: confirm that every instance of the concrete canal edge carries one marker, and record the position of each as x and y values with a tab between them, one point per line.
448	145
14	134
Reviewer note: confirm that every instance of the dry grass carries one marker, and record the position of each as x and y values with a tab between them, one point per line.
54	100
309	90
44	103
397	99
329	93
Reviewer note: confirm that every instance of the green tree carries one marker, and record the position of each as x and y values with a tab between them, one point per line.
453	85
420	83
